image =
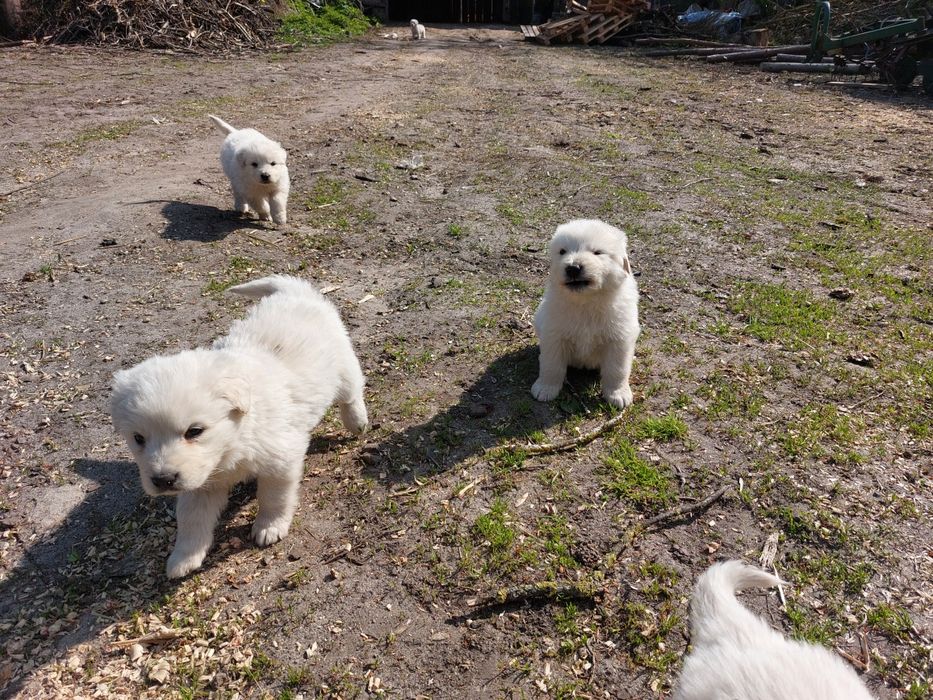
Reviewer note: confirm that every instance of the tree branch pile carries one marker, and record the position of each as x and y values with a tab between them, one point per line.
198	26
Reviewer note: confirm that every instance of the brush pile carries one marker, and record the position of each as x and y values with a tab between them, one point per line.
592	22
196	26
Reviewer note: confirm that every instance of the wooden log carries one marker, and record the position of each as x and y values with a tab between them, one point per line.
686	52
848	69
684	41
756	54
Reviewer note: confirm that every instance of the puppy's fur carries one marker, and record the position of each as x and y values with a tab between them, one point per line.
256	168
589	314
417	30
202	420
736	654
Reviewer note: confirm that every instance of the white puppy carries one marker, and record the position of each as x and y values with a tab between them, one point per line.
417	30
589	314
736	654
257	171
202	420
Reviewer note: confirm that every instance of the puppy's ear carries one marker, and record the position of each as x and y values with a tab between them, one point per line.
235	390
626	265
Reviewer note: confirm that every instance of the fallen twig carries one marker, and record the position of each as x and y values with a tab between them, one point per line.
31	184
852	660
563	445
686	509
165	635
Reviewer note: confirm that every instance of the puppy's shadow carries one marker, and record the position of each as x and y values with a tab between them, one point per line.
102	551
496	408
202	222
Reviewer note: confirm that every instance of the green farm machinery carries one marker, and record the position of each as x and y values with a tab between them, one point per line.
899	49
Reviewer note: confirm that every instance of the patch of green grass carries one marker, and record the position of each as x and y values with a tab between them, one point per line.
455	231
494	527
325	192
558	540
816	426
730	398
837	575
511	214
776	313
634	479
624	200
666	428
338	19
808	628
105	133
918	690
890	620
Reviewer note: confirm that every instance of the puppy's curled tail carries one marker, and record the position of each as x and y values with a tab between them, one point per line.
221	124
715	613
266	286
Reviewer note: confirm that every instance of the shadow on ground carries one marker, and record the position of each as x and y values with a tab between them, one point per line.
494	409
202	222
93	563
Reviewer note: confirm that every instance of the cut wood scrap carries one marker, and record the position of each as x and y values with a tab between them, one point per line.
530	31
756	54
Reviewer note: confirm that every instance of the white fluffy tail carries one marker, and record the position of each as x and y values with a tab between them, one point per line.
266	286
715	612
221	124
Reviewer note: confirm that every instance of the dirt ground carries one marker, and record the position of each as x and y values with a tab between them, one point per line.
781	233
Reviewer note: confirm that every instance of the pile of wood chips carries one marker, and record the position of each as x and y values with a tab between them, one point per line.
190	26
592	23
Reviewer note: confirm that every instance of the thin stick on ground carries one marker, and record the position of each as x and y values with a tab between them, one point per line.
680	511
563	445
3	195
165	635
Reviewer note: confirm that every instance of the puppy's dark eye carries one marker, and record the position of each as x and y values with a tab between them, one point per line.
597	252
139	439
192	432
272	164
255	165
563	251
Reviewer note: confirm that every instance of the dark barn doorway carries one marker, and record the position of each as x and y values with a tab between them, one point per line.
470	11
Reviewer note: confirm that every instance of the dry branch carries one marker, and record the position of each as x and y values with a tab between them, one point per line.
563	445
687	508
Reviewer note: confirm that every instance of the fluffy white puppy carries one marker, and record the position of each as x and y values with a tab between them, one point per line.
200	421
417	30
736	654
589	314
256	168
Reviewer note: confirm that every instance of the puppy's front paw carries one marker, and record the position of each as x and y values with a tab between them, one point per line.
621	397
264	535
181	564
280	220
545	392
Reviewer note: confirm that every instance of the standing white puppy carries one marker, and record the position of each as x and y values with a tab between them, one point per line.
736	654
417	30
589	314
200	421
257	171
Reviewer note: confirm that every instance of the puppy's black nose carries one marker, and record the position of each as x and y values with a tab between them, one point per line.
265	177
166	482
573	271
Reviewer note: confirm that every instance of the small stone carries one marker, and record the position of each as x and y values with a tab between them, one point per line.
841	293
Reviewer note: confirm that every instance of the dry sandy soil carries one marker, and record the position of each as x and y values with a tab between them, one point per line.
781	232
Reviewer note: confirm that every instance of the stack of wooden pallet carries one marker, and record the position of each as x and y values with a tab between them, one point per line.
589	23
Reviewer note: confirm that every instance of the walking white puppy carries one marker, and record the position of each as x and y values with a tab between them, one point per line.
417	30
736	654
257	171
589	314
200	421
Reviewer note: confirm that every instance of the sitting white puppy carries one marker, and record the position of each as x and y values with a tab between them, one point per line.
736	654
200	421
257	171
417	30
589	314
